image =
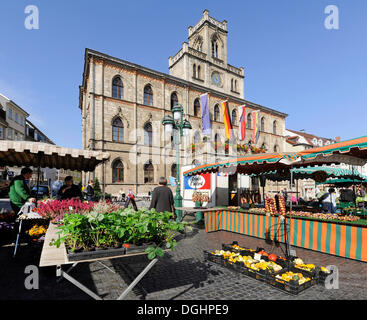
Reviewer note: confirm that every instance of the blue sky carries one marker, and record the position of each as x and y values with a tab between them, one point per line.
292	62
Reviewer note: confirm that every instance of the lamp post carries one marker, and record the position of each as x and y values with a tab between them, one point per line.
180	127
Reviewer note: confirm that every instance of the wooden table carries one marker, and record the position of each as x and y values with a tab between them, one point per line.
53	256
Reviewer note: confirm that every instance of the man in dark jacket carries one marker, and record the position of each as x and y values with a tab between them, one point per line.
90	191
69	190
19	192
162	198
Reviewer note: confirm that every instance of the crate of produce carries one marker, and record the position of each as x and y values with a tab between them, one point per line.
211	257
322	275
291	282
234	247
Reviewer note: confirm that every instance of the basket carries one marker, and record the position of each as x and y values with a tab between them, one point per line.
290	287
245	252
322	277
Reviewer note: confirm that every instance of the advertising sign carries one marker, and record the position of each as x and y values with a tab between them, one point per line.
199	182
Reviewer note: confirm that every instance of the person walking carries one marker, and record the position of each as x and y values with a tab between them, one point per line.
70	190
162	197
90	191
19	192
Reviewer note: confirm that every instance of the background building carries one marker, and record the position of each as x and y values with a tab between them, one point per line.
122	105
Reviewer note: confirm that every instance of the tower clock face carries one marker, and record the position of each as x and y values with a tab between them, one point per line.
216	79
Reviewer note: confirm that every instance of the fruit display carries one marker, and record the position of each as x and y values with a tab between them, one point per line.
270	206
282	209
258	210
324	216
291	276
233	208
6	215
200	197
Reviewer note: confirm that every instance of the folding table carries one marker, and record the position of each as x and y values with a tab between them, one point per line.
53	256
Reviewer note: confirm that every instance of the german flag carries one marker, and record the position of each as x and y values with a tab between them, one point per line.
227	120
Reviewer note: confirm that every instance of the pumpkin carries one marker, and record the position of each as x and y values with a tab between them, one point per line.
273	257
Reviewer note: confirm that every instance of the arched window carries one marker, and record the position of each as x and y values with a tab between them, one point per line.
148	134
275	127
249	121
216	113
196	162
276	149
117	88
234	117
232	84
216	143
262	127
197	108
148	95
117	171
199	72
174	170
117	130
148	172
215	49
174	99
226	148
194	70
235	85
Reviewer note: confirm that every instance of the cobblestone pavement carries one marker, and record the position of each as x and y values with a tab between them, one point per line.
182	274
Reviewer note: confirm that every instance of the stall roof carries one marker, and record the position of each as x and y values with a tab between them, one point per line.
305	173
352	152
26	154
250	164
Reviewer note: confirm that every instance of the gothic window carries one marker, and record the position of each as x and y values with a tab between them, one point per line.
197	108
276	149
117	130
174	99
231	84
262	125
148	95
148	172
194	70
234	117
215	49
275	127
174	170
117	88
249	121
235	85
199	72
117	171
216	113
216	142
148	134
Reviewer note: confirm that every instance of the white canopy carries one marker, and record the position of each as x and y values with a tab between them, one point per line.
44	155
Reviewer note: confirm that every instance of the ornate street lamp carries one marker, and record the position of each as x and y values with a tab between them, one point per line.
180	128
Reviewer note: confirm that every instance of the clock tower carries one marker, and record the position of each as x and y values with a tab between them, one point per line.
203	59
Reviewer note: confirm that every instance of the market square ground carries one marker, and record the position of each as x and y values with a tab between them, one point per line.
180	275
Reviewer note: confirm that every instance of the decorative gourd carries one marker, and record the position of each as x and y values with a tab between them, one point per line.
272	257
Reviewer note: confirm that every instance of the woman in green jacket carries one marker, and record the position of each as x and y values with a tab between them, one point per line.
19	192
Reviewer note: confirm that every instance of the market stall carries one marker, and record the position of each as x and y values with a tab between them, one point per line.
329	234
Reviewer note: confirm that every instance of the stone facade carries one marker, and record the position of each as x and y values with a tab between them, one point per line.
102	105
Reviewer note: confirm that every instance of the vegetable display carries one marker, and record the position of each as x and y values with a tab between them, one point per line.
98	229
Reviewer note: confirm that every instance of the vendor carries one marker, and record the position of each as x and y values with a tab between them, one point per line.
69	190
19	192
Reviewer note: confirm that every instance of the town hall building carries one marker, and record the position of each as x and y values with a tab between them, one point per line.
122	106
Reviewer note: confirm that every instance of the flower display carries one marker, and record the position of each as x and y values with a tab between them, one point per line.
55	210
37	230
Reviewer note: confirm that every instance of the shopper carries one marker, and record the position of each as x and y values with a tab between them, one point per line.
19	192
162	197
90	191
69	190
329	201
